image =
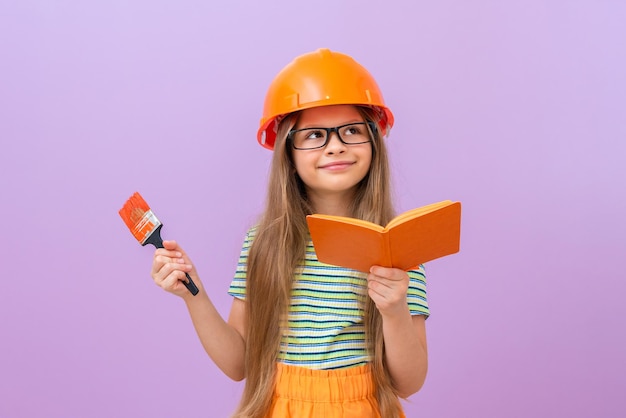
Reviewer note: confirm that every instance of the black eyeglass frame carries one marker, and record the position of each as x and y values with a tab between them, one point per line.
329	131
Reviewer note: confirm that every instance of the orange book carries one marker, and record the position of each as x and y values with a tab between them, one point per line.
410	239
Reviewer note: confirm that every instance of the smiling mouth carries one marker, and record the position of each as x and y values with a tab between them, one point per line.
337	166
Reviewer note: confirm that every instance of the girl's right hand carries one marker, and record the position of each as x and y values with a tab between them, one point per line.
169	267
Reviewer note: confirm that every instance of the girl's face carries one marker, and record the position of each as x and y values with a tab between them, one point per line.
336	168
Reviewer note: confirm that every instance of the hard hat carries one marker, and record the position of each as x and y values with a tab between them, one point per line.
319	78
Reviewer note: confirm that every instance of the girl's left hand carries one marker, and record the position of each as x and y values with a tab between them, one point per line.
388	288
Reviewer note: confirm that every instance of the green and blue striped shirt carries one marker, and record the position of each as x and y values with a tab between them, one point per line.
326	313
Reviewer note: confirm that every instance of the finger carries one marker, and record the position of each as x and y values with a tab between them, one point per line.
388	289
169	253
157	264
377	288
163	256
173	247
168	269
379	299
389	273
162	260
171	282
170	244
380	271
380	280
387	300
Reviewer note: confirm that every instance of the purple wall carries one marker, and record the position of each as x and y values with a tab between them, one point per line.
517	109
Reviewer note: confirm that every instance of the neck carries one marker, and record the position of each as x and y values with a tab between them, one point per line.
336	204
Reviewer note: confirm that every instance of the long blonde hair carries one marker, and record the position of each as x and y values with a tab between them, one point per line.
279	247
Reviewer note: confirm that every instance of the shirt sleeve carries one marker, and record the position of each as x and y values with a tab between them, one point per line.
416	295
238	285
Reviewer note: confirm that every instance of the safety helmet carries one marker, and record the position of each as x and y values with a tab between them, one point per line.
319	78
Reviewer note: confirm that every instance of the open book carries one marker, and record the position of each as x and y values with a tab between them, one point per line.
410	239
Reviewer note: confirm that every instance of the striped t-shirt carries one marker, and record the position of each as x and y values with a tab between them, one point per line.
326	313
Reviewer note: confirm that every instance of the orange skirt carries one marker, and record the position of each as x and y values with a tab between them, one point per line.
339	393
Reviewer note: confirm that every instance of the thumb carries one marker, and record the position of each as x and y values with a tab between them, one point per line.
171	245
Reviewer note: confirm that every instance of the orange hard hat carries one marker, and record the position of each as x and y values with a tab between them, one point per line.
319	78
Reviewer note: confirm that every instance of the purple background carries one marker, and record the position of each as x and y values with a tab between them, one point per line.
517	109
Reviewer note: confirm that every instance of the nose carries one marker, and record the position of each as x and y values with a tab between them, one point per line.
334	144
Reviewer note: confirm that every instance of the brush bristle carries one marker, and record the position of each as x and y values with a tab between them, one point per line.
138	217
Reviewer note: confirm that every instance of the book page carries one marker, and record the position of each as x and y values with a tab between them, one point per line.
416	212
347	220
426	237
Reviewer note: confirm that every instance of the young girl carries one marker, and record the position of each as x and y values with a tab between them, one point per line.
311	339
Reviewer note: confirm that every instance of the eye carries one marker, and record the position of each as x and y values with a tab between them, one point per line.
352	130
313	134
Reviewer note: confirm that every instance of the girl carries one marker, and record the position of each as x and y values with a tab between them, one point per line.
312	339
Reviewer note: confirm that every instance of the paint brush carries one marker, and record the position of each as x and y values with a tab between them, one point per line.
146	227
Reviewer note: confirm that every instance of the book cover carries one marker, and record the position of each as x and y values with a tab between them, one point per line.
410	239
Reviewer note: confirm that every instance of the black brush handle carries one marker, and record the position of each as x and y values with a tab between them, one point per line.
155	239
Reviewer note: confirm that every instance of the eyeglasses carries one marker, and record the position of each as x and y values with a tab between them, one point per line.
349	134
